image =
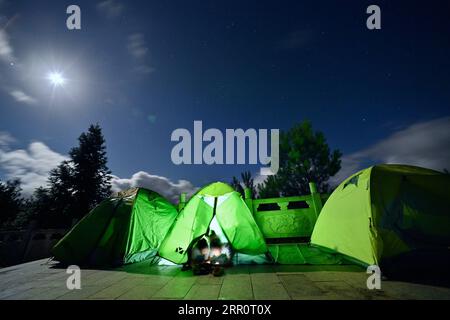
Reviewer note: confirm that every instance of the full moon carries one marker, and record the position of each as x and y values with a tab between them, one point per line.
56	79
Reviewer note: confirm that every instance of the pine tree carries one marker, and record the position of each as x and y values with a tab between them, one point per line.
76	186
61	192
90	174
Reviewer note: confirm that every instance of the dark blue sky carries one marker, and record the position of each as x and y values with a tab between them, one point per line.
144	68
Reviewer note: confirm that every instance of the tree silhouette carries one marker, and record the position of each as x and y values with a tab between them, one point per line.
10	201
45	211
269	188
247	182
76	185
304	157
236	184
89	172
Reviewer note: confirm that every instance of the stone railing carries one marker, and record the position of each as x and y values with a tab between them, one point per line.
290	219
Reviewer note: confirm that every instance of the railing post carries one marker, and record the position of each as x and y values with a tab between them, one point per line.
316	199
182	201
248	199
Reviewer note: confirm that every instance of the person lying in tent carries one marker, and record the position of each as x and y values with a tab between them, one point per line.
220	253
199	259
208	255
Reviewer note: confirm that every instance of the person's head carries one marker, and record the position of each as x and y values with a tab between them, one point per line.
215	240
216	251
202	244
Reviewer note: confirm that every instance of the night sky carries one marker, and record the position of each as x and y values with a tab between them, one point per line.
142	69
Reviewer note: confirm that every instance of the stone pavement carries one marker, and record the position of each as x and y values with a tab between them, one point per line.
45	281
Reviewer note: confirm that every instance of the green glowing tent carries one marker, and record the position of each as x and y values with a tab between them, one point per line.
386	211
216	203
123	229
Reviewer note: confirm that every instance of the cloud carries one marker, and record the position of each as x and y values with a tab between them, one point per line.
31	166
21	96
424	144
136	45
164	186
6	139
6	50
138	49
7	56
111	8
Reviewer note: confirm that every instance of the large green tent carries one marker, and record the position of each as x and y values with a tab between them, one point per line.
217	201
386	211
123	229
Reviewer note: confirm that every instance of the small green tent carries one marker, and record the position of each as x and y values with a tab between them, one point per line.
385	211
220	201
123	229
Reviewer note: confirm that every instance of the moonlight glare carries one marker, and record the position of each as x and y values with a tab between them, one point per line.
56	79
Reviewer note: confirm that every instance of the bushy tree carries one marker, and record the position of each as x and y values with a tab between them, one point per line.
10	201
236	185
53	206
247	182
304	157
269	188
42	209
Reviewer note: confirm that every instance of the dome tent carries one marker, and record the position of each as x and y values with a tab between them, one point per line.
123	229
216	201
385	211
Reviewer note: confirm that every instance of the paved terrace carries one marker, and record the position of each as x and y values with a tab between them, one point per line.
40	280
